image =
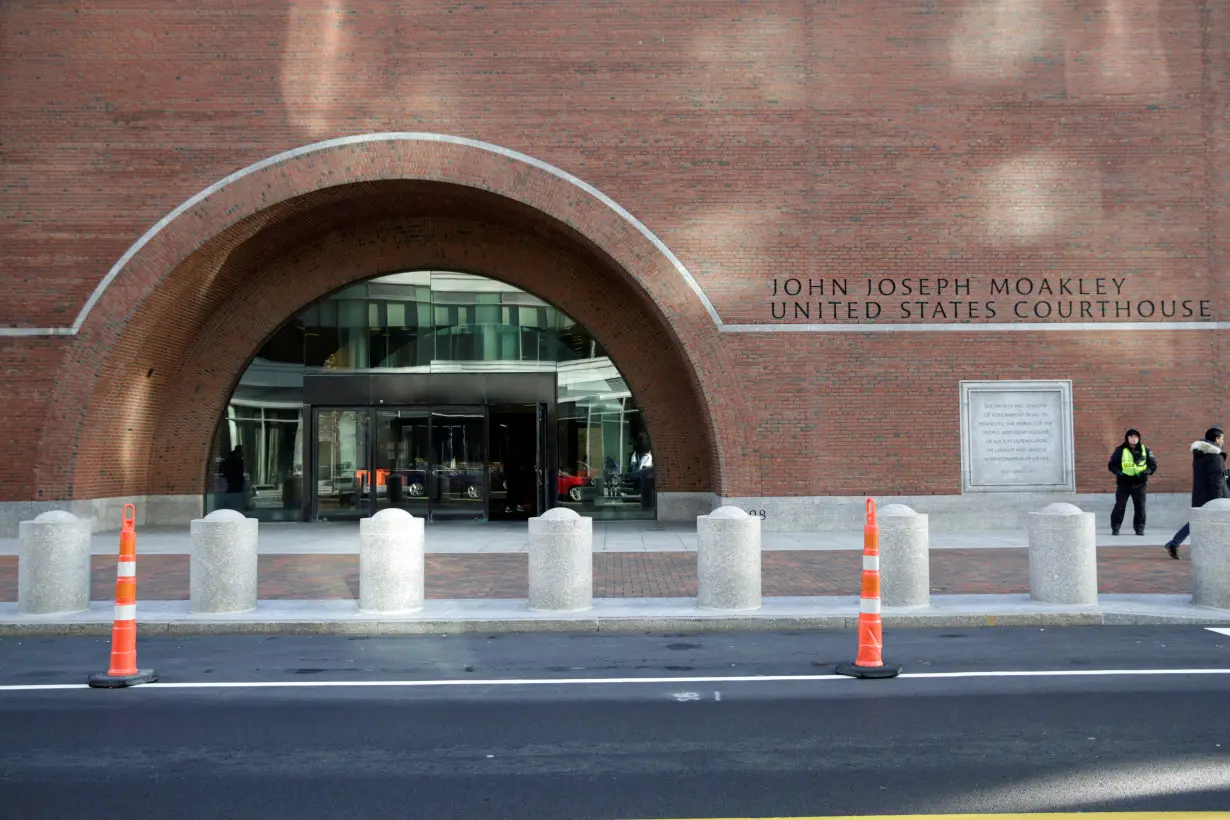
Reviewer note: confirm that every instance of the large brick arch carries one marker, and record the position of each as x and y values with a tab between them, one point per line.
159	352
258	304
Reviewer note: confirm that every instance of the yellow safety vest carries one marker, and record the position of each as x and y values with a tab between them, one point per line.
1135	468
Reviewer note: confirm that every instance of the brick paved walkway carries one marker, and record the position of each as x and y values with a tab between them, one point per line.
638	575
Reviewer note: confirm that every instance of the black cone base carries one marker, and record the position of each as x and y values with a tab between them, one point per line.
104	681
888	670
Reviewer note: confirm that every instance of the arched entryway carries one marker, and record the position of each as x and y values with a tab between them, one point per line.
161	350
448	395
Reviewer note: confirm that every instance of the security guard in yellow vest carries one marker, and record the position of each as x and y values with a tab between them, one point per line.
1132	463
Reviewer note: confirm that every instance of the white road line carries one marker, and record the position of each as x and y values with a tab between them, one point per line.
1220	630
1062	673
322	684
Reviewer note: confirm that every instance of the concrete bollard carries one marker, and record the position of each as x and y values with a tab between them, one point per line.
222	570
905	557
391	570
561	561
53	570
728	560
1063	556
1211	554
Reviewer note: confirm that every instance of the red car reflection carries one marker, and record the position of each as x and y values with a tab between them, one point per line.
570	485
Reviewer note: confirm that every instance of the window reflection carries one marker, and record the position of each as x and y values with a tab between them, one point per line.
605	459
257	462
344	483
428	322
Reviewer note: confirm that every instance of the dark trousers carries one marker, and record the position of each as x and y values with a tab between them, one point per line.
1137	493
1181	535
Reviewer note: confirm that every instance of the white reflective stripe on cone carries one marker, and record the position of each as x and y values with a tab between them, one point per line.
128	569
125	612
871	563
869	606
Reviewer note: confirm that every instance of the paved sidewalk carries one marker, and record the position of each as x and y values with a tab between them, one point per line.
510	537
794	573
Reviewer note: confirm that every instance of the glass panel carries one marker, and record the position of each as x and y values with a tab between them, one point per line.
377	335
321	339
257	463
352	334
605	456
343	480
432	321
397	314
459	465
397	322
403	348
402	458
286	345
515	462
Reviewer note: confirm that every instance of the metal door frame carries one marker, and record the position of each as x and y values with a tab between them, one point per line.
545	476
425	412
485	478
548	482
374	391
312	502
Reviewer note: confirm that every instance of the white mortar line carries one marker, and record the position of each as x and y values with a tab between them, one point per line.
359	139
559	173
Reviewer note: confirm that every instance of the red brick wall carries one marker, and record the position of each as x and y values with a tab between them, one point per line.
758	140
1215	41
867	419
255	291
152	393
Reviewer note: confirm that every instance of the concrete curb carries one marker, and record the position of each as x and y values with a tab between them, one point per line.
341	617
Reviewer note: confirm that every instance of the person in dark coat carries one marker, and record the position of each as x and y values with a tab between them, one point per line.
233	470
1132	463
1208	479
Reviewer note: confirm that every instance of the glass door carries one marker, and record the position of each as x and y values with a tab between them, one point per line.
403	460
439	463
458	483
344	482
513	447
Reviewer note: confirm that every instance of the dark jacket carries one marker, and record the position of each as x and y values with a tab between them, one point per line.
233	472
1115	465
1208	473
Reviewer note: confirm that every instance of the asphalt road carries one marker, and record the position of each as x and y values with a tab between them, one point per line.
295	738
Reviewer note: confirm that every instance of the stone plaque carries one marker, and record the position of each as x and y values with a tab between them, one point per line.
1016	436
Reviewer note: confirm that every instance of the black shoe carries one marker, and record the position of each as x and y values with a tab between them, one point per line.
1173	549
1114	532
1140	532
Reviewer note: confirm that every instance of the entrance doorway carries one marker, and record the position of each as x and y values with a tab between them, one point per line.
441	393
518	467
441	463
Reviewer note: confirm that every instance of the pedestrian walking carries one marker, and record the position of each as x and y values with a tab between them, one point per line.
1132	463
1208	479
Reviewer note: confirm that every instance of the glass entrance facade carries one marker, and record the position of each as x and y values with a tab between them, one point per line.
439	463
449	395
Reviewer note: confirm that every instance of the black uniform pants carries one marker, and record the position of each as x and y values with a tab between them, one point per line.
1137	493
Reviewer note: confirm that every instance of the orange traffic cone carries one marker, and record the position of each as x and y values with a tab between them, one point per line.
870	663
123	670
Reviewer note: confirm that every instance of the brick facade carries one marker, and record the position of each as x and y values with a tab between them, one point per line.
767	145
